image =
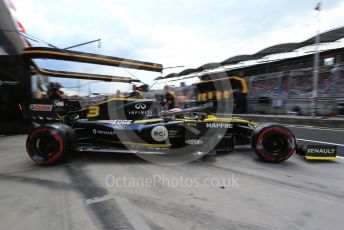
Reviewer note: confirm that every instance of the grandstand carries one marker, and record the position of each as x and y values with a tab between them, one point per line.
280	76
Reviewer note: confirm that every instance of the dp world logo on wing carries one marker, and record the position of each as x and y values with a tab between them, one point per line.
140	106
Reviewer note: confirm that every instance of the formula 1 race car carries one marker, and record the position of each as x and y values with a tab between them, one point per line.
193	130
135	125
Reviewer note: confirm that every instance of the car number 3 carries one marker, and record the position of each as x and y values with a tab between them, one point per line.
93	111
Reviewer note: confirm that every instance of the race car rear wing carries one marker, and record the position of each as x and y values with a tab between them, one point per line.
75	56
43	111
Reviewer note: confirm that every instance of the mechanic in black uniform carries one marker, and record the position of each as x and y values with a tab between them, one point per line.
135	92
170	97
54	91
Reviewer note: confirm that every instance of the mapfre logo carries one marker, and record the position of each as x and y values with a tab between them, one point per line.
219	125
140	106
39	107
159	133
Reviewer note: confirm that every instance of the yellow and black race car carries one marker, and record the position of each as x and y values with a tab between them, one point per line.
176	132
141	126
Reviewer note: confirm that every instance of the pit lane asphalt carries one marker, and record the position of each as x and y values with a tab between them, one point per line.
106	191
309	135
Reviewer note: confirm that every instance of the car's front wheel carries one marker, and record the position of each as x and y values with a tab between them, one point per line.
273	142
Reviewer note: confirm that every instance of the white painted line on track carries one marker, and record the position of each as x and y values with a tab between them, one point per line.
314	127
321	142
98	199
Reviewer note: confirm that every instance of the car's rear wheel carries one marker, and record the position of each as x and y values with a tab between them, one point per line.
273	142
50	143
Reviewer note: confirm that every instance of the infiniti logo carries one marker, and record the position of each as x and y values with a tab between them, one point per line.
140	106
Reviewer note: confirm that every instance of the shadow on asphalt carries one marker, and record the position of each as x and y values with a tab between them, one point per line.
106	158
110	158
120	158
321	162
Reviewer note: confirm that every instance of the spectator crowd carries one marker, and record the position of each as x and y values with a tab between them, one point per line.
330	84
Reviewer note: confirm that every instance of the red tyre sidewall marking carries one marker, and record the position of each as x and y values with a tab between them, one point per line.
57	138
289	135
278	130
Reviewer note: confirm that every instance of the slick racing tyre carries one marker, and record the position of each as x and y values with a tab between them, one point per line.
50	143
273	143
